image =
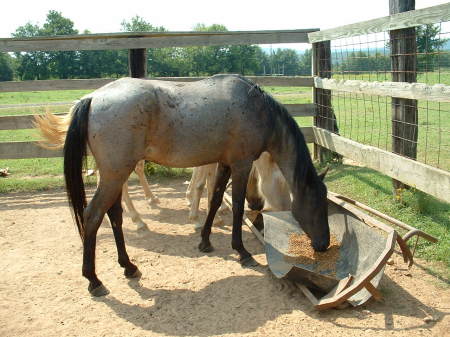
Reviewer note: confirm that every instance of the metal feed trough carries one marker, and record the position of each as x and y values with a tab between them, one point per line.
366	244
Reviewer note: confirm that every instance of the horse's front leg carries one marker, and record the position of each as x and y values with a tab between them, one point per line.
222	176
239	175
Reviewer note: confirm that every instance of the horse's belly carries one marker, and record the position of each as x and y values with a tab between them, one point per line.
180	156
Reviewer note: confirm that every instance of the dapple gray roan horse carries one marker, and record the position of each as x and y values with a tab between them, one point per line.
226	119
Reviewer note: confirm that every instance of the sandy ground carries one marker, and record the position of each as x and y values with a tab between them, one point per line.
182	292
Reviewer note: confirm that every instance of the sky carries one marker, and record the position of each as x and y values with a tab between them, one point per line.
182	15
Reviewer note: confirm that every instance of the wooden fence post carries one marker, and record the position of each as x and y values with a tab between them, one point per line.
325	117
403	65
137	62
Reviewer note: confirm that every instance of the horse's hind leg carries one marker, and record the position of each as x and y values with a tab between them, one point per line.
139	169
210	182
134	214
222	176
106	195
115	216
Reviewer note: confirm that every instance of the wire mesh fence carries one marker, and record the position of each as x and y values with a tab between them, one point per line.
422	130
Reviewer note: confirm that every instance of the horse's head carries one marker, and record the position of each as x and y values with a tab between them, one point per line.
310	209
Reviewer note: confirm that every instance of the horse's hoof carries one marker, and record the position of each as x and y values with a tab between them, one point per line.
99	291
248	262
90	173
136	274
141	226
205	247
223	209
153	201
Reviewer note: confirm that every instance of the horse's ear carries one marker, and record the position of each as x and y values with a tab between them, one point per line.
322	175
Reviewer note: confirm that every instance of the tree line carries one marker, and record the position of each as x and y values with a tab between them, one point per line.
190	61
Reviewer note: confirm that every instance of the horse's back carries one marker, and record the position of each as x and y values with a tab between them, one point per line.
177	123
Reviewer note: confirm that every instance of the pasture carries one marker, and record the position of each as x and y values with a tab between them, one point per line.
182	292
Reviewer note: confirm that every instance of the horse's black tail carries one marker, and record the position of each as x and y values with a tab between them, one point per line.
75	148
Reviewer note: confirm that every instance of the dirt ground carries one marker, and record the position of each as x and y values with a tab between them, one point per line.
182	292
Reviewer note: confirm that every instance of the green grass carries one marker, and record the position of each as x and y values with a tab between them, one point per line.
367	120
414	208
29	97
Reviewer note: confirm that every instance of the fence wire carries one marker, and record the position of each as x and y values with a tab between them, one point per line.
419	129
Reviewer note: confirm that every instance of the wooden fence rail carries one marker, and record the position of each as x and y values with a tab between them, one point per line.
137	40
78	84
421	176
429	15
422	91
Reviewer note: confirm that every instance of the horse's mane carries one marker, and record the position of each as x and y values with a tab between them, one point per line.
304	170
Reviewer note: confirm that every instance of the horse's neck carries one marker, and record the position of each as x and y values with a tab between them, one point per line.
284	152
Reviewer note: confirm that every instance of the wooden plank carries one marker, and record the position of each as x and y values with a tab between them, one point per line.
138	40
308	294
283	81
18	122
421	91
79	84
301	110
373	291
435	14
21	150
418	175
308	133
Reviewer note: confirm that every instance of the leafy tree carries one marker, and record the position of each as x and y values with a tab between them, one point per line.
305	63
243	59
43	65
360	61
62	64
101	63
6	69
209	60
31	65
138	24
428	44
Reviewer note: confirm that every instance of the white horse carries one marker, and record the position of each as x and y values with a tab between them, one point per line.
266	182
53	128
